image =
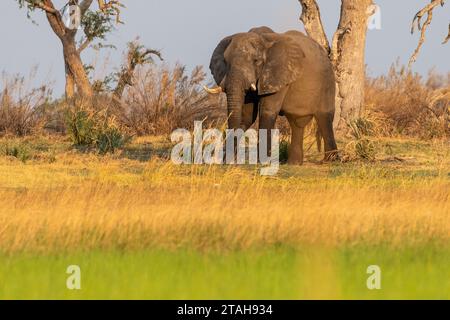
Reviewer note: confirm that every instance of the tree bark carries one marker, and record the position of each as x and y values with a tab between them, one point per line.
313	23
76	71
348	57
70	83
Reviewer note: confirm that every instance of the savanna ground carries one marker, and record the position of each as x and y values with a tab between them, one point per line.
140	227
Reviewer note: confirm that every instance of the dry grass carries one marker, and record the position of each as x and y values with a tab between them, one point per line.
404	103
89	202
22	108
164	99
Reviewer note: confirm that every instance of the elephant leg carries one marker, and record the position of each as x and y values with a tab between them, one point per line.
266	122
325	122
269	108
295	152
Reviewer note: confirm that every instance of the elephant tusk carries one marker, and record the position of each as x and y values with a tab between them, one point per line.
215	90
253	86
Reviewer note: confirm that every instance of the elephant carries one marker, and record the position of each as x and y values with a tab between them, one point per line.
270	74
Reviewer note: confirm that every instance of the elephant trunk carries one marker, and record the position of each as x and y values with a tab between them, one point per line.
235	99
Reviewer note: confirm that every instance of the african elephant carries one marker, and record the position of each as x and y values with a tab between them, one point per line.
271	74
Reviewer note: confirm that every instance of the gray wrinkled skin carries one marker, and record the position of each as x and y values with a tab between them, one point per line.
293	76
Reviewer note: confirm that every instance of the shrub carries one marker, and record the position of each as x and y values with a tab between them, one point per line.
110	137
96	129
17	150
163	99
403	103
360	146
80	125
22	109
284	151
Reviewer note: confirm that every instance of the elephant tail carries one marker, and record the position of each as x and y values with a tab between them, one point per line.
319	139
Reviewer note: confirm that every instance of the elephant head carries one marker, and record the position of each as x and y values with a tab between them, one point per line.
259	60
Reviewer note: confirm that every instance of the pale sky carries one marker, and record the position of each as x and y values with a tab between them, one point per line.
188	31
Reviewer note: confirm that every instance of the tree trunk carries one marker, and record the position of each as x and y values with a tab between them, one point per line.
347	53
348	57
70	84
75	69
75	73
125	79
313	23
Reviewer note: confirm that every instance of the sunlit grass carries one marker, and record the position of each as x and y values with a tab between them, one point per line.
141	225
107	206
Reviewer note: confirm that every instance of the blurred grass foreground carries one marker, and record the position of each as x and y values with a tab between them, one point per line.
140	227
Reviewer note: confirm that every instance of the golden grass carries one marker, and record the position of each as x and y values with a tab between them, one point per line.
88	202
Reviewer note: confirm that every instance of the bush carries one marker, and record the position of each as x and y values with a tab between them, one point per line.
80	124
403	103
17	150
22	109
361	146
163	99
96	129
110	138
284	151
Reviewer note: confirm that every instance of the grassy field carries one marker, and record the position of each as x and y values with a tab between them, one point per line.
141	227
272	273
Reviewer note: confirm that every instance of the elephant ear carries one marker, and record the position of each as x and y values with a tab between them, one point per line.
284	64
218	66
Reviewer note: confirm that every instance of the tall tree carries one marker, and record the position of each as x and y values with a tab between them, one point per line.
94	24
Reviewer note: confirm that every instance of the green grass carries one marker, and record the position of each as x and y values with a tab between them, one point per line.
38	175
276	273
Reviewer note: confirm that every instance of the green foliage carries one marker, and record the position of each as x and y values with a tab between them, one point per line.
95	129
80	126
96	25
17	150
110	138
284	151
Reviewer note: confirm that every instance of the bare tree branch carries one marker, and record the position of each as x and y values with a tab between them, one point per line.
84	45
448	36
428	11
313	23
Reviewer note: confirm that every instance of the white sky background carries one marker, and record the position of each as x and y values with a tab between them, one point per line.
188	31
